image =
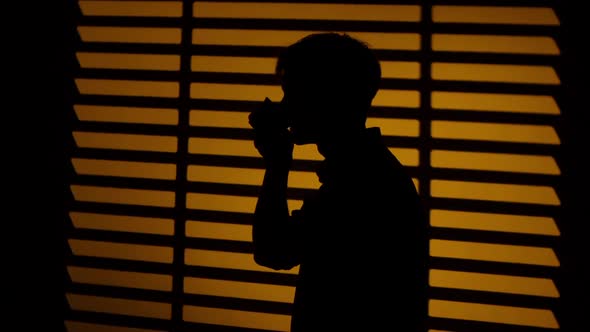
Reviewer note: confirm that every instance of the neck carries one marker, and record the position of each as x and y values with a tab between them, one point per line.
334	146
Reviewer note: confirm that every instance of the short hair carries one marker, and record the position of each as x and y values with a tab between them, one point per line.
337	61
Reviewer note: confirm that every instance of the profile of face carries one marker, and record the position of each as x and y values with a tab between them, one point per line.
318	107
306	108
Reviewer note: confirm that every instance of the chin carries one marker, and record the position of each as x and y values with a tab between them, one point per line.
301	142
298	140
302	138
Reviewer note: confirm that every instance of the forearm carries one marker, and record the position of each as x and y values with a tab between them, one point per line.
272	200
272	233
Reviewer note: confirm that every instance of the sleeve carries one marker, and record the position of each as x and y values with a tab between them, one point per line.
278	244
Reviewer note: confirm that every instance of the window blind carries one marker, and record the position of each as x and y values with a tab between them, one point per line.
164	173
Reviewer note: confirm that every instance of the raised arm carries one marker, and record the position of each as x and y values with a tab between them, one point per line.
274	234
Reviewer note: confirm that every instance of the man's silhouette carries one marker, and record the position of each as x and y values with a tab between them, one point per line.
360	240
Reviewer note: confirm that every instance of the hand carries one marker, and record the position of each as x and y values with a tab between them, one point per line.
272	138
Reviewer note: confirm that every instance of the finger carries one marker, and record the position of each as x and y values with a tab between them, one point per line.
255	118
251	121
263	120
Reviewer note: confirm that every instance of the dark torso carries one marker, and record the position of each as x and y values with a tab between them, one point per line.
365	246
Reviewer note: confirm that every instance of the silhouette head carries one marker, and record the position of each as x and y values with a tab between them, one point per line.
329	81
